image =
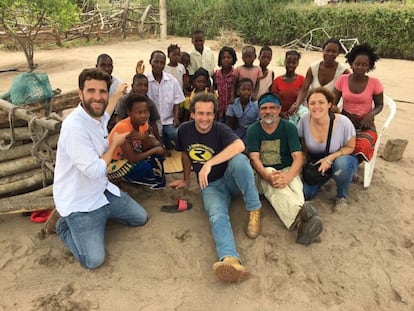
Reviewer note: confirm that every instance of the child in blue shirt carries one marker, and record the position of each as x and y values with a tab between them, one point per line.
244	111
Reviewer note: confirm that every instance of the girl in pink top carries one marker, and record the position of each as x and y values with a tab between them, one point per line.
359	91
248	70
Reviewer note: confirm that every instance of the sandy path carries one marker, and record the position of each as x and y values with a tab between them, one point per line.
365	260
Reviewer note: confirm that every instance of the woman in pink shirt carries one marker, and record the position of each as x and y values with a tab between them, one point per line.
359	92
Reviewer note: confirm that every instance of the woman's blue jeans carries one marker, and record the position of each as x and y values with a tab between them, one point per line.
84	232
238	178
343	168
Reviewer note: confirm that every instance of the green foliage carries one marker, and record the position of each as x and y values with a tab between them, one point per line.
59	13
388	27
23	19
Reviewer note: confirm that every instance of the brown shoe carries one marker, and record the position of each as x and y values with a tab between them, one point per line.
50	225
230	270
253	226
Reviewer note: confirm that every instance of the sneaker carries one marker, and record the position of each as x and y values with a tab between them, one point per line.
253	225
341	204
230	270
309	231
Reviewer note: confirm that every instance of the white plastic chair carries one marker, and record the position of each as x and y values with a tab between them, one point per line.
370	165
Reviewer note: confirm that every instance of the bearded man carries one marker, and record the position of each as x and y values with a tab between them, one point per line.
83	195
276	155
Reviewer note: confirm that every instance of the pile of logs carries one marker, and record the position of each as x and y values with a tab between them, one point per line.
27	153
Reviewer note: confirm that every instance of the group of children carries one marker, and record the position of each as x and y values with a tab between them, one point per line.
169	88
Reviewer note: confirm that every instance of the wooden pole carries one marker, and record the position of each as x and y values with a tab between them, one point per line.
143	18
163	19
59	102
8	168
28	116
124	19
24	184
18	204
20	133
21	151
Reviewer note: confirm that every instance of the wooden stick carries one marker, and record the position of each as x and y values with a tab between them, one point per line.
21	151
19	176
20	133
21	185
15	166
17	204
59	103
27	116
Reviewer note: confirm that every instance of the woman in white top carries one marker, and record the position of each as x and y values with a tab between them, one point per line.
323	73
313	130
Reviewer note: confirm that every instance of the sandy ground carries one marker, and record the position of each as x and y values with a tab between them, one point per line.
364	262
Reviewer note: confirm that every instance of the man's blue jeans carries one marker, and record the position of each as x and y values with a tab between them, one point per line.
343	168
84	233
237	179
169	133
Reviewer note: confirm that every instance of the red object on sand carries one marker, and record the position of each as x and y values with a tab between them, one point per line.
40	216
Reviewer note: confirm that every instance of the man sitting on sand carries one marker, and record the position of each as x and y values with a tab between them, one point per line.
215	153
82	193
276	155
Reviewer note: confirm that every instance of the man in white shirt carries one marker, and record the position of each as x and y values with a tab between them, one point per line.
83	195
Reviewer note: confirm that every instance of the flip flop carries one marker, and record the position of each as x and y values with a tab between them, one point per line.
182	205
40	216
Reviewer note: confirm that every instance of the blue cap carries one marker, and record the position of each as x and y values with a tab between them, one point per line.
269	98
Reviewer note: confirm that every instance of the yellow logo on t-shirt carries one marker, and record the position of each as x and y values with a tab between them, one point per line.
200	153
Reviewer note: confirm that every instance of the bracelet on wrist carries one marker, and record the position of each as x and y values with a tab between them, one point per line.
328	161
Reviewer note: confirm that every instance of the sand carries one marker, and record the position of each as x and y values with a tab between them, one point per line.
364	262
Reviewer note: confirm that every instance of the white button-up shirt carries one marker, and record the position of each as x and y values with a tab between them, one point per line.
165	94
80	174
205	60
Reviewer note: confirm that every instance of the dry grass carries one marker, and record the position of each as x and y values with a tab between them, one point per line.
229	38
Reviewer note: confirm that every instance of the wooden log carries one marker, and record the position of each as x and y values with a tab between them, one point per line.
20	133
24	184
18	204
19	176
46	191
59	102
21	151
65	101
4	124
27	116
124	19
143	18
394	149
15	166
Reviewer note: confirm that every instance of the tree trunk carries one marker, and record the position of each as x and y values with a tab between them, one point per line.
163	18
